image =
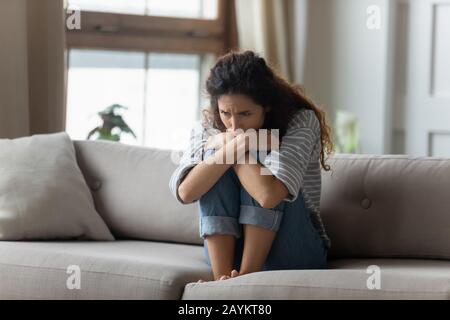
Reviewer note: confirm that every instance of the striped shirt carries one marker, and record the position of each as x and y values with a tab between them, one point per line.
296	163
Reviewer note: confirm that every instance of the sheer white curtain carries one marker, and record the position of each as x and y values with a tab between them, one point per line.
264	26
32	67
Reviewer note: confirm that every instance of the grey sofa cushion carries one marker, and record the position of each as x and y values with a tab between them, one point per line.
387	206
109	270
42	191
130	189
346	279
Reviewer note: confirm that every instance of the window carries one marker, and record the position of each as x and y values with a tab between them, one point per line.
202	9
145	84
149	56
98	79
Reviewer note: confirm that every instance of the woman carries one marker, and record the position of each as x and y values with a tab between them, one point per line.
251	221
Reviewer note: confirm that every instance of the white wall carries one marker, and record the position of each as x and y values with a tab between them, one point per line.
299	23
13	69
346	65
32	63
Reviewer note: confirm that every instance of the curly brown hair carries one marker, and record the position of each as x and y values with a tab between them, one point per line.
247	73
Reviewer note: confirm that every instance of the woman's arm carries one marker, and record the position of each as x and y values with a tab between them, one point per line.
267	190
205	174
288	163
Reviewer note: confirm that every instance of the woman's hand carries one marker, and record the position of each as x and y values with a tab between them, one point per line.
219	140
243	140
239	142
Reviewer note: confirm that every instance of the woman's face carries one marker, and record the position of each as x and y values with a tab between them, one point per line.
238	111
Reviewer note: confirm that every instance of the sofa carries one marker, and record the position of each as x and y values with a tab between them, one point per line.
388	217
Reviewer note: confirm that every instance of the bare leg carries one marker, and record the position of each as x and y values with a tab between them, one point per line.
257	244
221	253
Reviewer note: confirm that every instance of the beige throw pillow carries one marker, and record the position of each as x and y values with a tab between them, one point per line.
43	194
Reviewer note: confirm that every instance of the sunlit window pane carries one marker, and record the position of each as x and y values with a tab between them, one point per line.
113	6
172	100
98	79
206	9
162	92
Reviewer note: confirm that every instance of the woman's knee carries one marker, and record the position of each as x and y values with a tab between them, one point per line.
225	186
248	200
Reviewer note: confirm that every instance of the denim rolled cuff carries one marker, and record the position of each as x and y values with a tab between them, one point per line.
211	225
262	217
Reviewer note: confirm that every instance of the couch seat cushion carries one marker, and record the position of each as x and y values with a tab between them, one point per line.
345	279
108	270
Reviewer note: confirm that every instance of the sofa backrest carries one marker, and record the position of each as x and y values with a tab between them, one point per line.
130	186
387	206
371	205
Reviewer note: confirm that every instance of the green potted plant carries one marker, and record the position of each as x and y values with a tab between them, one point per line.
111	121
347	132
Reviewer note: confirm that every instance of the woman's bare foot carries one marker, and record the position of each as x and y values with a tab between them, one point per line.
234	274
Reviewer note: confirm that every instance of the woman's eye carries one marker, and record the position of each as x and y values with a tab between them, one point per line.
228	114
